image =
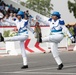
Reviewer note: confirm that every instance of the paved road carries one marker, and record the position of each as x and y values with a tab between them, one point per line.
39	64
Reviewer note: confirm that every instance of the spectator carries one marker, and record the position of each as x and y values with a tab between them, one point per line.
38	31
4	11
27	13
17	10
71	29
6	7
14	17
10	8
1	16
29	16
75	32
11	16
6	18
2	7
0	2
26	17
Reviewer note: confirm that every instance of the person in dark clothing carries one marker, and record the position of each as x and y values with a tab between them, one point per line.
75	32
38	31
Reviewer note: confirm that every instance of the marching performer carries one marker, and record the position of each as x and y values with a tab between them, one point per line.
57	27
22	26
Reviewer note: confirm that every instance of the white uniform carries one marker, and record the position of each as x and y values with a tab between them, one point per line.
56	35
22	26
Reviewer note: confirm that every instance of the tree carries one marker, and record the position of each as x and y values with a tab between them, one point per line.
43	7
72	7
22	3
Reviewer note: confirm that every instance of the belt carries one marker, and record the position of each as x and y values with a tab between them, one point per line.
57	33
56	30
22	31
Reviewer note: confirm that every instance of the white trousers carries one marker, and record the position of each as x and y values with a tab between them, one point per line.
54	40
21	39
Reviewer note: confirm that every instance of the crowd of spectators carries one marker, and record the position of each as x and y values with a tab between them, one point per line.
9	12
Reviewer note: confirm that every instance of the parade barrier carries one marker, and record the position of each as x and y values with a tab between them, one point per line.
74	49
31	45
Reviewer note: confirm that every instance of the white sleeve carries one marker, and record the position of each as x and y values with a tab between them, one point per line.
46	22
30	28
65	30
43	20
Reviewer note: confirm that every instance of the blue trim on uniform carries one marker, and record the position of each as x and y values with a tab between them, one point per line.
56	30
22	31
61	22
26	23
14	19
55	20
50	19
53	28
70	36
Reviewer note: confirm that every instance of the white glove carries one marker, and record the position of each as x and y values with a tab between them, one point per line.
38	17
72	39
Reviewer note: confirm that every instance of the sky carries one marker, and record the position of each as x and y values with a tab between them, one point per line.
62	7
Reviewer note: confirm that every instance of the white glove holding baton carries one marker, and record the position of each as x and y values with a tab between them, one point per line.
38	18
72	39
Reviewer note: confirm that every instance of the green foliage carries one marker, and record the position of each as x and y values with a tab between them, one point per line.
41	6
6	33
22	3
72	7
9	33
